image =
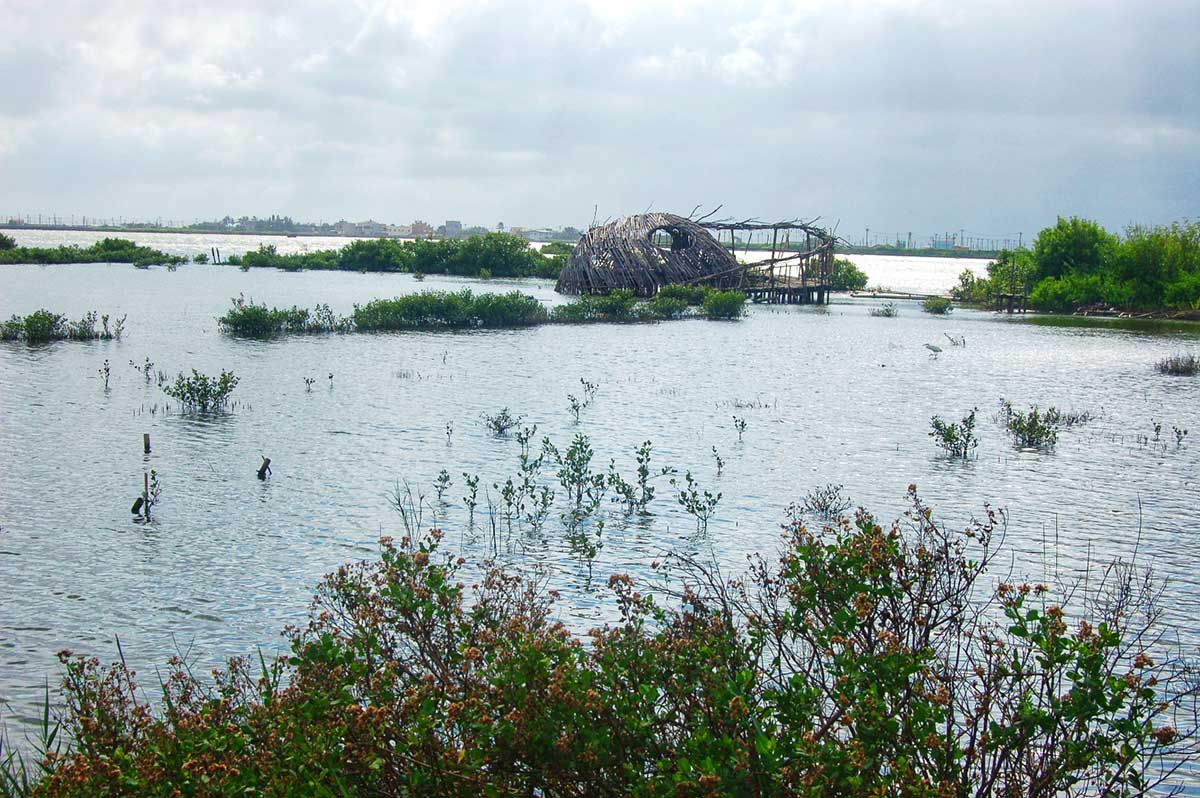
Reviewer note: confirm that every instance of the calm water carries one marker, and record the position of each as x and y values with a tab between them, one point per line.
829	395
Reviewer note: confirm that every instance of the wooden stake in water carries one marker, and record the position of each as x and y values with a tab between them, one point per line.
265	468
146	442
146	496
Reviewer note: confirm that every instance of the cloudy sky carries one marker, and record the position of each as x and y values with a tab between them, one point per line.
921	115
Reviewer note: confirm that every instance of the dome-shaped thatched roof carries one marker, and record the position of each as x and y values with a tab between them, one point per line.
624	254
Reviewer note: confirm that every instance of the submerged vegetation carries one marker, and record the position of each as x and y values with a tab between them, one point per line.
43	325
491	255
1077	264
866	659
108	250
1179	365
466	309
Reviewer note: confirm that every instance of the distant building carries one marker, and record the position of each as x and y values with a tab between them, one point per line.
454	228
419	229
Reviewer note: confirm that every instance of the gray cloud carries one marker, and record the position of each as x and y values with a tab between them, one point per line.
903	115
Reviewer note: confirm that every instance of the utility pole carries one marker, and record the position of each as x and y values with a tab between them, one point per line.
867	239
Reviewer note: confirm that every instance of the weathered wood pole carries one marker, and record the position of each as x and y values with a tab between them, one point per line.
146	442
265	468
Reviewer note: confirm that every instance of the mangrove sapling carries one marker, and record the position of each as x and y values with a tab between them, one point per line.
471	500
1032	428
625	491
308	384
1180	434
739	424
720	462
449	431
701	505
958	439
825	502
576	406
146	369
524	436
511	497
584	545
201	392
441	484
502	423
105	371
589	390
645	489
574	467
887	310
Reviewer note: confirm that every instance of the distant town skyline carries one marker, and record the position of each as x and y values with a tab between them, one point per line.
898	115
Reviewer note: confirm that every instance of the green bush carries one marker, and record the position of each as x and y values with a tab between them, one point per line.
200	392
7	242
42	325
724	304
957	439
248	320
108	250
449	309
865	660
688	294
666	307
937	305
493	254
846	276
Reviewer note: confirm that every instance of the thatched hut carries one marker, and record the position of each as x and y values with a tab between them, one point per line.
643	253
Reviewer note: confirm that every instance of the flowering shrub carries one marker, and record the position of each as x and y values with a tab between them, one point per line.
868	660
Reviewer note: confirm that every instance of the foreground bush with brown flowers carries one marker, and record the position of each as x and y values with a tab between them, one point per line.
867	660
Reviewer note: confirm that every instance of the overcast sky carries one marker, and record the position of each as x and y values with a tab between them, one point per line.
899	115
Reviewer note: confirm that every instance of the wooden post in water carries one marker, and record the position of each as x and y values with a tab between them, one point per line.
146	496
146	442
265	468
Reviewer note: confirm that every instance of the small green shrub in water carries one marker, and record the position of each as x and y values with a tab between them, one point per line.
1037	429
248	320
43	325
887	310
666	307
687	294
202	393
449	309
937	305
958	439
724	304
7	242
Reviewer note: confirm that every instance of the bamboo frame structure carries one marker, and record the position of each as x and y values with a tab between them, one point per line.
795	273
645	252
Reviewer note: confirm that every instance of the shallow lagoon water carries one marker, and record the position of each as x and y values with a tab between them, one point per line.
829	394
